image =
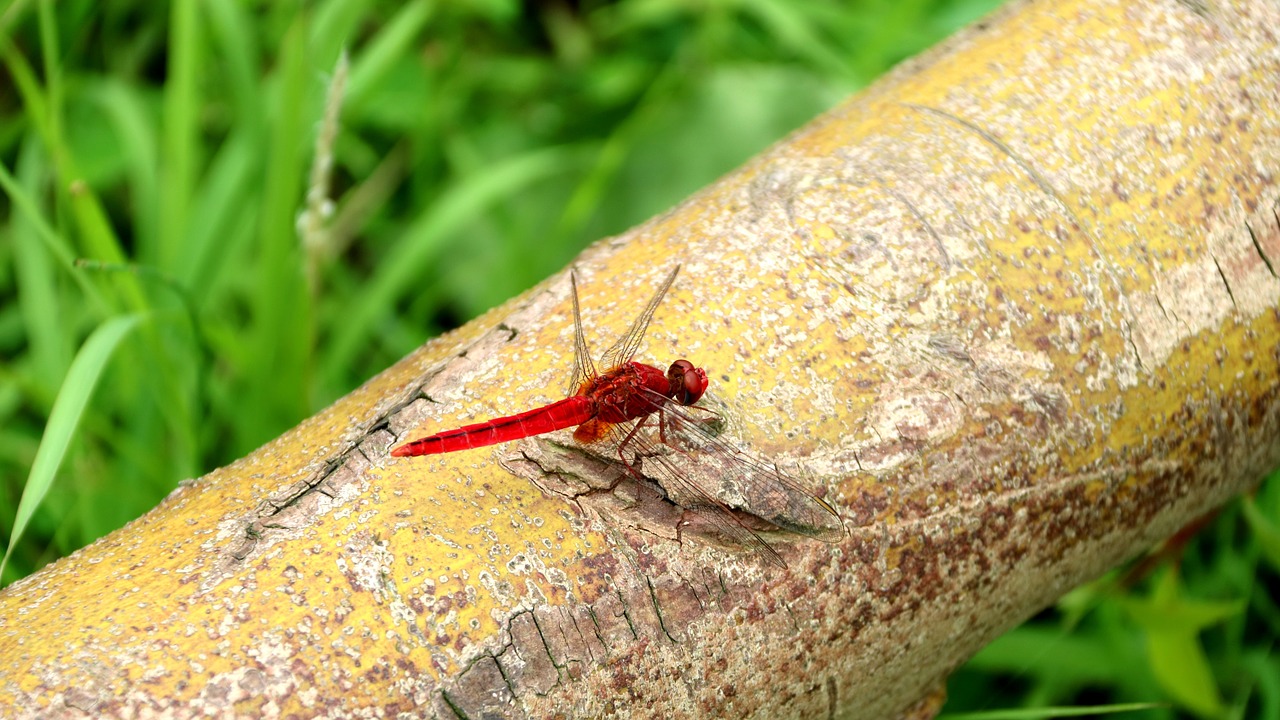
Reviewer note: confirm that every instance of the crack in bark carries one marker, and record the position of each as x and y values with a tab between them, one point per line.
448	701
950	346
477	691
529	673
595	622
1225	283
622	601
1133	344
505	678
1199	7
318	481
1160	303
586	646
657	610
546	645
919	216
351	456
1045	187
963	220
833	697
1258	247
476	666
791	615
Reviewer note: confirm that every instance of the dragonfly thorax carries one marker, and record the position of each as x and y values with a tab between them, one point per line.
634	390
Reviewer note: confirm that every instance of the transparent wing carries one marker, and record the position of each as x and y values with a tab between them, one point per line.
698	468
769	494
583	369
667	470
625	349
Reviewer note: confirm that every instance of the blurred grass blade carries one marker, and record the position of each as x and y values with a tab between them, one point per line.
67	410
179	137
801	35
1182	668
426	238
1177	658
1265	530
1051	712
387	48
26	205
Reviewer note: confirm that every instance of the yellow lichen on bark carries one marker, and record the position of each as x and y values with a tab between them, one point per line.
1013	311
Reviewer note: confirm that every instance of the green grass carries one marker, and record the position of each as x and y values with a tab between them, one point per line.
481	144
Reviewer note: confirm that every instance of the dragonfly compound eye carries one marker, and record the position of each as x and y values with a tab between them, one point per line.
687	382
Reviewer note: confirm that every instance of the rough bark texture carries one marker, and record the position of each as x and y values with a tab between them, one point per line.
1015	309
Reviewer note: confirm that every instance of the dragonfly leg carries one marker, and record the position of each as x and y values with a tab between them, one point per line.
622	448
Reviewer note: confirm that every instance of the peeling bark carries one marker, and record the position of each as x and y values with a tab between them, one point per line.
1014	310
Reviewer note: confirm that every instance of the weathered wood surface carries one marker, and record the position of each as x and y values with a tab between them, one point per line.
1015	309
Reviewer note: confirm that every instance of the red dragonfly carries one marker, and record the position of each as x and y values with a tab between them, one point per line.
689	456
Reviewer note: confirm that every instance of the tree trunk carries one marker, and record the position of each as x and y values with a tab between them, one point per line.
1014	311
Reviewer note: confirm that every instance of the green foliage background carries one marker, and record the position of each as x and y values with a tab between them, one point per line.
482	144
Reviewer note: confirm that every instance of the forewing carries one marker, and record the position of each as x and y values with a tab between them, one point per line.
583	369
668	469
766	492
625	349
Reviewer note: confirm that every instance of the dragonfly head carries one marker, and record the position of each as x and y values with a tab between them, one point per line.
687	382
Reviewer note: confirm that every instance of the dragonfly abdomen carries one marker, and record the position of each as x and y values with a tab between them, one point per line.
558	415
